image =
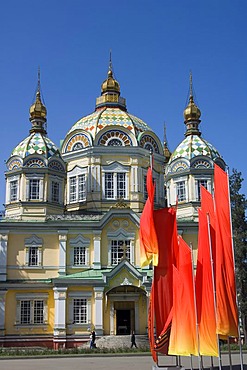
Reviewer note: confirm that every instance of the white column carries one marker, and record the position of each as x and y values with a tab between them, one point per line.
60	308
137	317
98	178
62	235
98	304
112	318
97	250
2	311
3	255
134	178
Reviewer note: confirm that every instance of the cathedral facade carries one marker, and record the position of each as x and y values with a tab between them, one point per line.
69	238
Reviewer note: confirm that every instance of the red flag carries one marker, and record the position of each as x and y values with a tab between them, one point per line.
205	299
207	206
147	234
166	230
227	316
183	338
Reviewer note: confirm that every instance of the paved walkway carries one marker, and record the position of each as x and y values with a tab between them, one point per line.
106	363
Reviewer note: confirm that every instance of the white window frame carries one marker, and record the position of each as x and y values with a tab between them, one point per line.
32	298
119	249
40	179
76	175
120	235
59	181
198	181
31	244
84	244
80	313
10	181
181	191
115	170
74	295
185	181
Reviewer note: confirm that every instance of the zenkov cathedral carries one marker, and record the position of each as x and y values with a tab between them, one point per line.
69	238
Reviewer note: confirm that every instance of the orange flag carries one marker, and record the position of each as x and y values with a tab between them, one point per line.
205	299
207	206
147	233
183	338
162	294
227	316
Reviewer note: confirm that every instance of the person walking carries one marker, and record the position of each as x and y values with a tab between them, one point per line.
133	340
92	340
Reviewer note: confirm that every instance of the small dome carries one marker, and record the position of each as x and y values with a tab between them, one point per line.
193	146
38	109
192	112
36	143
110	84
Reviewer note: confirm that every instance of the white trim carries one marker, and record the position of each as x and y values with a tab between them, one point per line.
76	173
39	177
31	297
176	181
36	242
79	241
115	168
56	179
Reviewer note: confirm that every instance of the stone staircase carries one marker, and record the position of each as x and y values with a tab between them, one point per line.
120	341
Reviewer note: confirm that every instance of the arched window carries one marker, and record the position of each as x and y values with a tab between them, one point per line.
115	142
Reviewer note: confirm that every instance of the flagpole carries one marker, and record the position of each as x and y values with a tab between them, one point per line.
194	292
213	282
233	255
151	159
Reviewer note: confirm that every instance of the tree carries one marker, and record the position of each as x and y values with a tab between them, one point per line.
239	225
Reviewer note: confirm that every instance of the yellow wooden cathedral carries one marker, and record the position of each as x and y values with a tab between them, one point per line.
69	236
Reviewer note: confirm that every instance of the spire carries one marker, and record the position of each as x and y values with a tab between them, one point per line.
110	91
192	114
191	85
110	72
167	152
38	111
110	84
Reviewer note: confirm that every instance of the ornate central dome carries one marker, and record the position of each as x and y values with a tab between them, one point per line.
110	124
110	116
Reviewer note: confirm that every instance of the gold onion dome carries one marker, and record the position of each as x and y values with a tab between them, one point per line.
38	109
192	112
110	84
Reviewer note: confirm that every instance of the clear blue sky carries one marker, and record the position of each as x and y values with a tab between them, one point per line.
155	44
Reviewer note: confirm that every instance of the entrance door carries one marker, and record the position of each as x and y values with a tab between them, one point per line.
123	322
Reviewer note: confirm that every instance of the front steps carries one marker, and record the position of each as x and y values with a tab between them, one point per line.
120	341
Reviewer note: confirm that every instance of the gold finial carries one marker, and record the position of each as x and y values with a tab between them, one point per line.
38	109
110	84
